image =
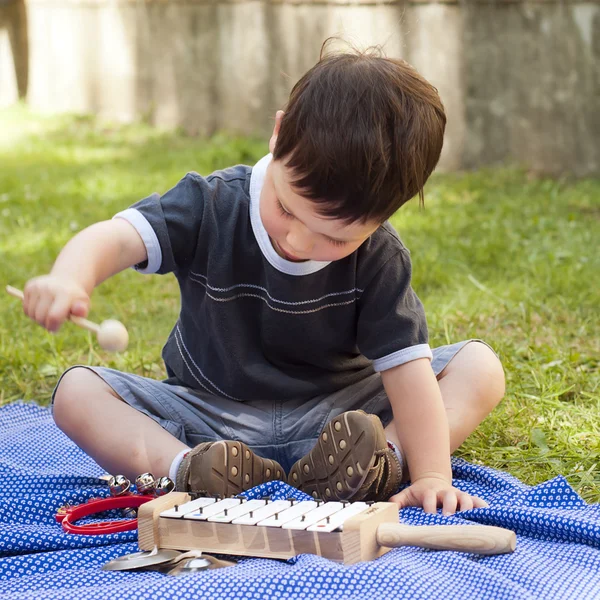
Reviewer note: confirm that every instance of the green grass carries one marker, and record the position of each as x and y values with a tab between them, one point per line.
496	254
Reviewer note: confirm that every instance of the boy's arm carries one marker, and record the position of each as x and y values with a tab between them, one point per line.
93	255
99	252
422	428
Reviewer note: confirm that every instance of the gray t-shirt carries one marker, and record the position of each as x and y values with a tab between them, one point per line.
254	326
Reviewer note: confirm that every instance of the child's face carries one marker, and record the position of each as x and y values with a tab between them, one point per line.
296	230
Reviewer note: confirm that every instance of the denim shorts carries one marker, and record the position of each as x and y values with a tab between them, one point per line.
282	430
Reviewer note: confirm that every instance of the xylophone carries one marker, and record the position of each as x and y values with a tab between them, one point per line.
348	532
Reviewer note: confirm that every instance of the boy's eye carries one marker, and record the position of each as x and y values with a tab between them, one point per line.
283	212
287	215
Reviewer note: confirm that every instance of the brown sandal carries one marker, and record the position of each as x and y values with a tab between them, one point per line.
350	461
224	468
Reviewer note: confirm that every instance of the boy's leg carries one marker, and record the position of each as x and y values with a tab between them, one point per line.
471	380
117	436
122	439
472	384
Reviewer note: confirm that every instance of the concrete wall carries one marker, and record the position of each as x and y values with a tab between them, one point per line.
520	80
14	51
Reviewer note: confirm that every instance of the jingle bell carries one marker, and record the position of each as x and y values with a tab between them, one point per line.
129	513
118	485
163	486
145	483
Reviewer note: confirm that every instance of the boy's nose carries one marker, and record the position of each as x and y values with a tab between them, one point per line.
300	239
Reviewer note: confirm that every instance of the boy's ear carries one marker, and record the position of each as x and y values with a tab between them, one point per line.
278	116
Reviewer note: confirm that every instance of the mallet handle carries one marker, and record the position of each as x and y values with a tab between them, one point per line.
480	539
89	325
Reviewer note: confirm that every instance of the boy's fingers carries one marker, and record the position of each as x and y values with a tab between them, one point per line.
450	503
58	313
400	499
479	502
41	309
430	501
80	308
29	302
466	502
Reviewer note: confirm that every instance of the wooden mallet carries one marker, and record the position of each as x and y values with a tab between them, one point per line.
111	334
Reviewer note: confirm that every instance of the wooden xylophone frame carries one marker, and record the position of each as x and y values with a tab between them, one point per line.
357	542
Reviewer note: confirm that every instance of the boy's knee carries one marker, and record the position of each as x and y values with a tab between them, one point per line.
70	395
487	372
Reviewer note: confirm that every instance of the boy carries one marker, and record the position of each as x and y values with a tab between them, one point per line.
299	336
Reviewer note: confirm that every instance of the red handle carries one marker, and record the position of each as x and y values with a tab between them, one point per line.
96	506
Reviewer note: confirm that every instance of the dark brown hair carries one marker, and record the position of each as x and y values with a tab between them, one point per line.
361	134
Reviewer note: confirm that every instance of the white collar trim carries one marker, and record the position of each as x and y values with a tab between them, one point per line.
257	179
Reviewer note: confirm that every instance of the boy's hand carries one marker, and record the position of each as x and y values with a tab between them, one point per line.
50	300
433	491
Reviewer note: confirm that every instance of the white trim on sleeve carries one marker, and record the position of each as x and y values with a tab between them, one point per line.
148	235
402	356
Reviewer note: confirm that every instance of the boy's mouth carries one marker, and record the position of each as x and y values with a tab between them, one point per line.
285	254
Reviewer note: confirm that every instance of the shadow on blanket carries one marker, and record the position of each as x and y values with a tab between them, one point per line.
558	547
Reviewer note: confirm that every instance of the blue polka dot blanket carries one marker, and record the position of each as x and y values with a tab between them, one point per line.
557	556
